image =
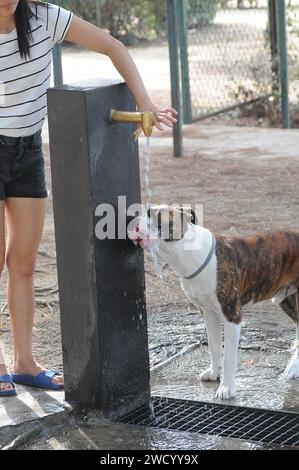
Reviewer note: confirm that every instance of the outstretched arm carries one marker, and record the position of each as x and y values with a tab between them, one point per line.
96	39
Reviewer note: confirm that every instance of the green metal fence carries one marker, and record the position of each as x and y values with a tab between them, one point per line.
227	54
224	54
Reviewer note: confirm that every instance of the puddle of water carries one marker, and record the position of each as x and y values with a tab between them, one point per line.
113	436
259	380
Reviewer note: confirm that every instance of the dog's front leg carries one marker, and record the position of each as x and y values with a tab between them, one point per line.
227	387
213	326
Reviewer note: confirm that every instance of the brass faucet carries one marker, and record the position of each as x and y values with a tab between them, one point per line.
146	118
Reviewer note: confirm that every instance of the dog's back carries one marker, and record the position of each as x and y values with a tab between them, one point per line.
255	268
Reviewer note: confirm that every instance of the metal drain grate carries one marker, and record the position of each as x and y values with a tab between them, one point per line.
264	426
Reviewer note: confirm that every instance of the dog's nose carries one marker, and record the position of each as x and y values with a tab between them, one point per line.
135	233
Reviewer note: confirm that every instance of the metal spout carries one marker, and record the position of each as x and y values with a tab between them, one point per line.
146	118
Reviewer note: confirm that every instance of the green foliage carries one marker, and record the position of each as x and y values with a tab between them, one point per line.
127	20
201	12
131	20
85	9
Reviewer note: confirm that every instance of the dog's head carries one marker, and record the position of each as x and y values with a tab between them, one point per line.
162	224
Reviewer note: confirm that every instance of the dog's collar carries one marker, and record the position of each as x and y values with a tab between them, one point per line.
205	263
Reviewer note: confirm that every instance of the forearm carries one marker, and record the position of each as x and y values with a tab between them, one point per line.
95	39
123	62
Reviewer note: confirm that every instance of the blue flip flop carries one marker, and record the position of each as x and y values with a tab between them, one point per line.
6	393
41	380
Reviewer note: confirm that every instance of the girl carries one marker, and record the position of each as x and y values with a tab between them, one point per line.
28	32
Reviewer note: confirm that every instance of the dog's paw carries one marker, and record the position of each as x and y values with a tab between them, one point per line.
209	375
225	392
292	369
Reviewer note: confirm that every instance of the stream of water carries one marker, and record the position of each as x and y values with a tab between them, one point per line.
149	193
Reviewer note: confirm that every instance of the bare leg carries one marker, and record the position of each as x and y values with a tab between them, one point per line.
214	332
3	370
227	387
25	221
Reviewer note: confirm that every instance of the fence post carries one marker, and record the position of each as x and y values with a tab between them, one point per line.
273	32
283	63
57	65
175	76
98	13
183	40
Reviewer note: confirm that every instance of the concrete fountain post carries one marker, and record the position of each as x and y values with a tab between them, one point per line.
101	282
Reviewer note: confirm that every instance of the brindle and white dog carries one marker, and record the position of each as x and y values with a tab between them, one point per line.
220	274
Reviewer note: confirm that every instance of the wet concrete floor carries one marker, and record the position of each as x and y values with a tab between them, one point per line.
259	382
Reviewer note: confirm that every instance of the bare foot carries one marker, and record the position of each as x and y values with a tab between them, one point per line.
33	368
4	386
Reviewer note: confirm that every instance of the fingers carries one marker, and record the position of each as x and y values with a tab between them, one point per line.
168	117
169	110
158	125
164	116
167	120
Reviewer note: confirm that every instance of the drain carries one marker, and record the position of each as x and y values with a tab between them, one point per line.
264	426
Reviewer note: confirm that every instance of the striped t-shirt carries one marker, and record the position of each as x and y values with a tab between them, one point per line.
24	83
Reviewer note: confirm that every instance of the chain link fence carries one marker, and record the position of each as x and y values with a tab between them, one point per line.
225	53
293	58
232	52
229	55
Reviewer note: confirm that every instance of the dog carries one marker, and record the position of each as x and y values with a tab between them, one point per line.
221	274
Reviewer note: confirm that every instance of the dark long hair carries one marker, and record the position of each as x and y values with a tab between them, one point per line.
23	14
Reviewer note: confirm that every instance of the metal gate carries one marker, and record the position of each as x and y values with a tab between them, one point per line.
225	55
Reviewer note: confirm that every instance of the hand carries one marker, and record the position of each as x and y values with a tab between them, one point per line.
166	116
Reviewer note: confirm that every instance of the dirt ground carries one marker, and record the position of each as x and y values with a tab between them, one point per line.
241	194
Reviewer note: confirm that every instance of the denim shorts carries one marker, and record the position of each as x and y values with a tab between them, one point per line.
22	167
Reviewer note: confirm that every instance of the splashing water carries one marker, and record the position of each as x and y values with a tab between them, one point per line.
152	248
148	157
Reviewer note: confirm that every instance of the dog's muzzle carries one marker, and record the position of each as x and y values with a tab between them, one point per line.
140	237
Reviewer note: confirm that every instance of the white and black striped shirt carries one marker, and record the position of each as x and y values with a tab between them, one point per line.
24	83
